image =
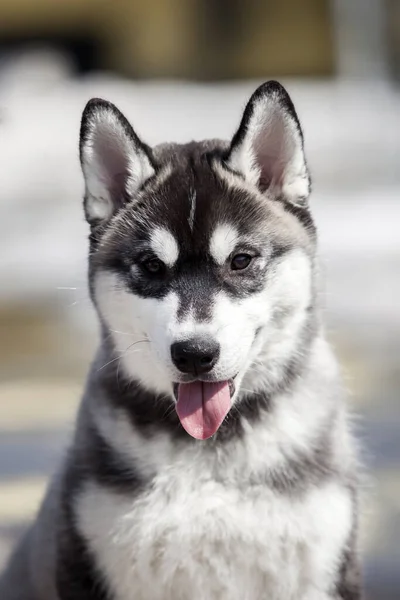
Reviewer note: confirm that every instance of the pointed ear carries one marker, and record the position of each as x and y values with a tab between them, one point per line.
267	149
115	162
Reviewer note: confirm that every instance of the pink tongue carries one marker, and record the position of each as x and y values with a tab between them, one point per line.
202	407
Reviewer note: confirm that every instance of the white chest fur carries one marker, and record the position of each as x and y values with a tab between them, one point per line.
202	539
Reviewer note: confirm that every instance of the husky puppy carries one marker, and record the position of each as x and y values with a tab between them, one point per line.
212	458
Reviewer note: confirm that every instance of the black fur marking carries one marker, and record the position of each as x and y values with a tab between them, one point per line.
349	586
77	575
303	214
146	410
310	468
278	251
251	407
106	466
193	291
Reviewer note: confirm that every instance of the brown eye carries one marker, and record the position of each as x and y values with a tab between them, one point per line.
153	266
240	262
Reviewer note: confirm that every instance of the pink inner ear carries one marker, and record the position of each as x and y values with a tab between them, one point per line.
112	158
118	188
269	150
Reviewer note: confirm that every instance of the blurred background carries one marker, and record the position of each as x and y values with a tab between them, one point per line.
181	70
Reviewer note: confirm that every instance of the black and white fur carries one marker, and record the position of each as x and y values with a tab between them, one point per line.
267	507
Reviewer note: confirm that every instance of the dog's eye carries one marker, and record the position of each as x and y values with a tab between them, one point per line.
153	266
240	262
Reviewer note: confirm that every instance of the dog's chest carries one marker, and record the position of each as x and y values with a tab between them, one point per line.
203	539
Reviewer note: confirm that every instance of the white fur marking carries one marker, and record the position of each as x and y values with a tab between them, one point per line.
197	537
223	242
165	246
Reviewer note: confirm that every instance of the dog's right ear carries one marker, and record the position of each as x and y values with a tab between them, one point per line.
115	162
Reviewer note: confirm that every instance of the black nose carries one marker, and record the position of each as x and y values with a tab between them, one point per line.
195	356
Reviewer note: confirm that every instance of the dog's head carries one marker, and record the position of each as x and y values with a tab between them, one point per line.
201	254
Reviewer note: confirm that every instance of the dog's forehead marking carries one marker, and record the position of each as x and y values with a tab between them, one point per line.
223	241
164	246
192	200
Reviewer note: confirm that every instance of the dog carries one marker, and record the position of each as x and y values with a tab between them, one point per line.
212	457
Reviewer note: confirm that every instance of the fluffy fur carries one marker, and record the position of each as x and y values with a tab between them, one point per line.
267	507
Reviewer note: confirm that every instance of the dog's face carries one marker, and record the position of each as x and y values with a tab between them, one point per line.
201	261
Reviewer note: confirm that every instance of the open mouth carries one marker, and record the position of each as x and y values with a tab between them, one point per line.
203	405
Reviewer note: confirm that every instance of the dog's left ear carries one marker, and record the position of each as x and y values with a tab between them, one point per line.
115	162
267	149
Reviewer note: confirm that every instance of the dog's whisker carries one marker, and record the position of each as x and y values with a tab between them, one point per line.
169	410
122	332
83	298
78	302
123	353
